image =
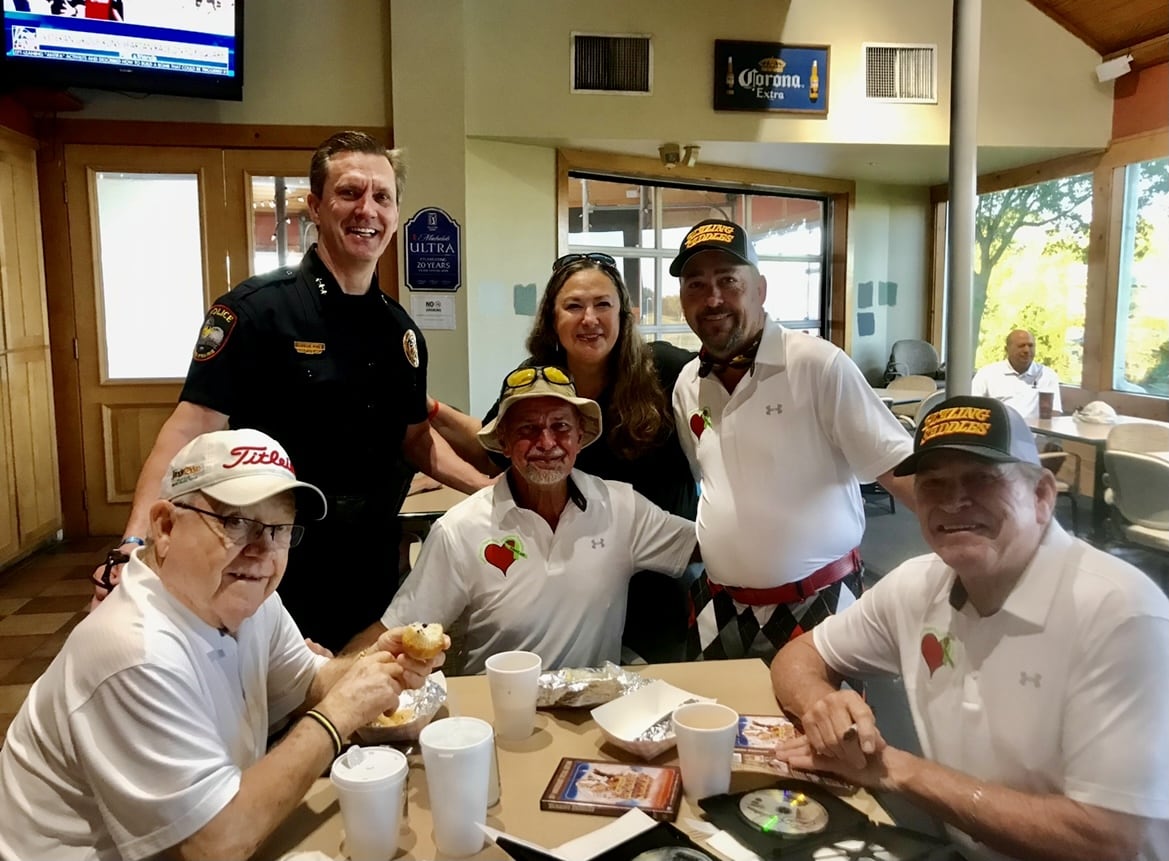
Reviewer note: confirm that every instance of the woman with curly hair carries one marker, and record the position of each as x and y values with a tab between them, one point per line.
585	325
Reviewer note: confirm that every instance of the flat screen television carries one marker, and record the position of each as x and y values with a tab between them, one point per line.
171	47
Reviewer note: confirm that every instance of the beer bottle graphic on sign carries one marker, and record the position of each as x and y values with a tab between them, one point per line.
730	76
814	82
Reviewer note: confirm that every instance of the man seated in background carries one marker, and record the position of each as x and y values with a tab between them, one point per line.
147	735
1033	663
541	561
1018	379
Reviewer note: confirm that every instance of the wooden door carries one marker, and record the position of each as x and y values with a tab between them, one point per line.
9	528
267	212
31	507
147	247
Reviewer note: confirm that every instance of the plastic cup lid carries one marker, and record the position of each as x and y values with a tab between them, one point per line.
367	767
455	733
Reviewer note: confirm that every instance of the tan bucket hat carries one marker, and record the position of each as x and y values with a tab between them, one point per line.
542	381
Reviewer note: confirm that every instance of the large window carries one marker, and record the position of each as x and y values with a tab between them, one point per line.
642	224
1031	271
1142	318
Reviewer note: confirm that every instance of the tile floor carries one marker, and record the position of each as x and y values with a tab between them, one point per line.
41	600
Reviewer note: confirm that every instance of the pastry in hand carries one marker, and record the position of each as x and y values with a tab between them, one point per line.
423	640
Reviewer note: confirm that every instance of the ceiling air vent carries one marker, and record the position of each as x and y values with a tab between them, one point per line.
901	73
612	64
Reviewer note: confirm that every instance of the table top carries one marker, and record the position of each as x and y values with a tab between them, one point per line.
900	396
1069	427
431	503
526	767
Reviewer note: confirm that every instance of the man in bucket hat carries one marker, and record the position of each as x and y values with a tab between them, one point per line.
781	429
147	735
1033	663
542	560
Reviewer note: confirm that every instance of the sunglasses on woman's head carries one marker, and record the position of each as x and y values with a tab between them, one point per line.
594	256
521	378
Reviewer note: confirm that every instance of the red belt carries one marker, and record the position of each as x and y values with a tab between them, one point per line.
801	590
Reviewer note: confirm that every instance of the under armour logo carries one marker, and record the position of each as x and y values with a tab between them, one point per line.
1029	679
598	542
776	410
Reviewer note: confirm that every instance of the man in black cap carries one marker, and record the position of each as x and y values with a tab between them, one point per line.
780	428
1033	663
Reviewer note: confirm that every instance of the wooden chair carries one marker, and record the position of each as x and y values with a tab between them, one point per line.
1056	462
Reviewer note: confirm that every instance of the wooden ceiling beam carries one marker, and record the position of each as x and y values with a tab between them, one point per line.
1147	53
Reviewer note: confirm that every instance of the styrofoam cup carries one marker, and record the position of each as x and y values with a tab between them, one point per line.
514	680
706	746
456	752
370	782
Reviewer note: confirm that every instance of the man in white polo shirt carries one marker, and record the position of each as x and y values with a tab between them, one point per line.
1018	379
1033	663
780	428
541	561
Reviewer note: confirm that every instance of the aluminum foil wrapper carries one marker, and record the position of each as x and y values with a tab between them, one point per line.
585	687
415	710
664	728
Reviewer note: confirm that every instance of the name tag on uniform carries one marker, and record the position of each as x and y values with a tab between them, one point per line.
309	348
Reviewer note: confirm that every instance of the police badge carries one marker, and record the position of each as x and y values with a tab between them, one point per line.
410	347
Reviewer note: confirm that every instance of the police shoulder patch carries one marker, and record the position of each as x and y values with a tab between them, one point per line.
410	347
215	331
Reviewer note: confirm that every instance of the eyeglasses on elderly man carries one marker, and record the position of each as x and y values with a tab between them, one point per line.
244	530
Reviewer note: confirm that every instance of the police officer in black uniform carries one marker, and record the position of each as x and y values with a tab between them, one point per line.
320	359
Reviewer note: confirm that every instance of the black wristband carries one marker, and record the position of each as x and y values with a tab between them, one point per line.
328	726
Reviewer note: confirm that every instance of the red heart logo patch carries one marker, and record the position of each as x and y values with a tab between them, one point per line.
499	556
699	422
503	553
936	652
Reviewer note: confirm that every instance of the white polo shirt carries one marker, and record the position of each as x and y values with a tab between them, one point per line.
780	459
560	594
1061	691
137	734
1020	391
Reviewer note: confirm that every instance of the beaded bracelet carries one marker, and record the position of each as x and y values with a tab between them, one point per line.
329	728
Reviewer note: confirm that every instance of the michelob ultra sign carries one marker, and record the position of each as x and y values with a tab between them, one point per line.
769	76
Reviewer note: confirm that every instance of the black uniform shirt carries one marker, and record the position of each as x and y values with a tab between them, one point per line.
335	378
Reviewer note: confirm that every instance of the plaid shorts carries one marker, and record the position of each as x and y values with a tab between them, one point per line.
723	628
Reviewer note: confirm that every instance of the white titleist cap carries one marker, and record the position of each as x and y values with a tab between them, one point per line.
238	467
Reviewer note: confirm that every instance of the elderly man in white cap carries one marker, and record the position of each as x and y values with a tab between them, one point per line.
148	733
541	561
